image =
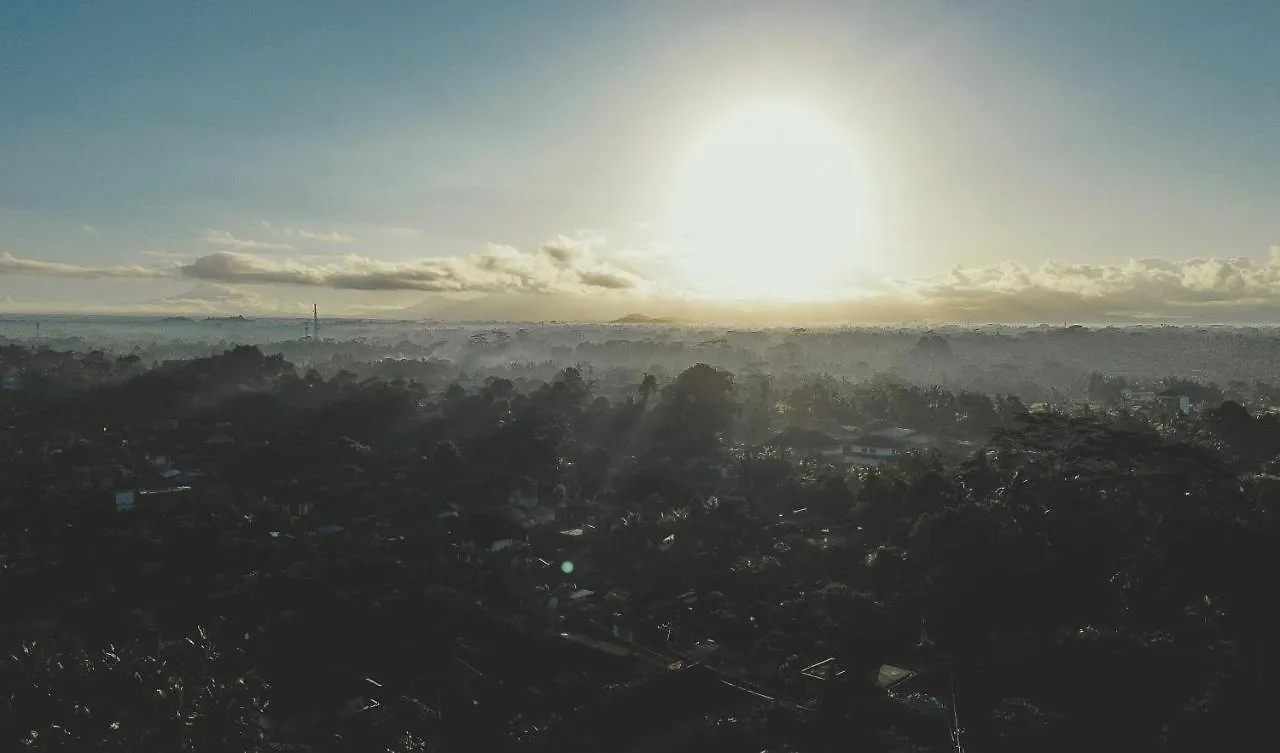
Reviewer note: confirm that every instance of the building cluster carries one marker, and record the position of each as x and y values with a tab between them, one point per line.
566	625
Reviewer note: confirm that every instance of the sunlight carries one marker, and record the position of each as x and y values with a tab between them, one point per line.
769	203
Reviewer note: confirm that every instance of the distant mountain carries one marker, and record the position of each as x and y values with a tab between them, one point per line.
642	319
534	307
515	307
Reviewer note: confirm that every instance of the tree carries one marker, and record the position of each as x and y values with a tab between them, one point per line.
1107	390
647	387
757	407
697	411
182	696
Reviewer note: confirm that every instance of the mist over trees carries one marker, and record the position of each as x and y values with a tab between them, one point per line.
1035	363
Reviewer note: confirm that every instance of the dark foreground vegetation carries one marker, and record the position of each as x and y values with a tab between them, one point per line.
235	554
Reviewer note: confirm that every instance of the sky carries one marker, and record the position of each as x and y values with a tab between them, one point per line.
716	160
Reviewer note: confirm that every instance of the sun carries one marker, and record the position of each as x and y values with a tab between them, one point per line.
769	203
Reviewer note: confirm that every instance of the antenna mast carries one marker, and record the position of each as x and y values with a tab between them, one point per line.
957	732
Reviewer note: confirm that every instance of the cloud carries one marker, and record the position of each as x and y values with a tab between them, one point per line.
1136	289
212	298
569	269
170	256
563	265
225	239
1235	290
12	265
607	280
561	254
402	232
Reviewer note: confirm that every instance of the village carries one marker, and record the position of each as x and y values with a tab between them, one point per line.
541	570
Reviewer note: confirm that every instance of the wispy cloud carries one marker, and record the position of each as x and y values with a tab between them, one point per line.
214	298
332	236
214	293
224	239
321	236
13	265
170	256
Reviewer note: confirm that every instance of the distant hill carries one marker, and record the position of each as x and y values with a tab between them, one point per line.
642	319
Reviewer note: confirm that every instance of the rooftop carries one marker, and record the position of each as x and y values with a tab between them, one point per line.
796	438
819	670
652	708
874	440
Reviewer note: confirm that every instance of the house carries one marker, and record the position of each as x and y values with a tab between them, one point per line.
569	595
167	494
657	715
525	495
891	432
1174	401
890	675
912	439
845	537
872	446
188	477
124	500
817	677
295	510
1134	397
923	692
481	536
11	381
801	440
325	692
528	517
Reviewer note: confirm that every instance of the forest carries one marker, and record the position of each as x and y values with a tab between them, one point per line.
237	551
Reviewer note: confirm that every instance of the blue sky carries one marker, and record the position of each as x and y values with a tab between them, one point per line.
992	132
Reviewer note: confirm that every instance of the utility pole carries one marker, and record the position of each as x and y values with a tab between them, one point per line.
957	732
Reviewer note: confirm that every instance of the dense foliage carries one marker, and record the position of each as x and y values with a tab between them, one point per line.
1092	581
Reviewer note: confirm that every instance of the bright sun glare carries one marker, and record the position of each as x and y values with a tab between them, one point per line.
769	204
